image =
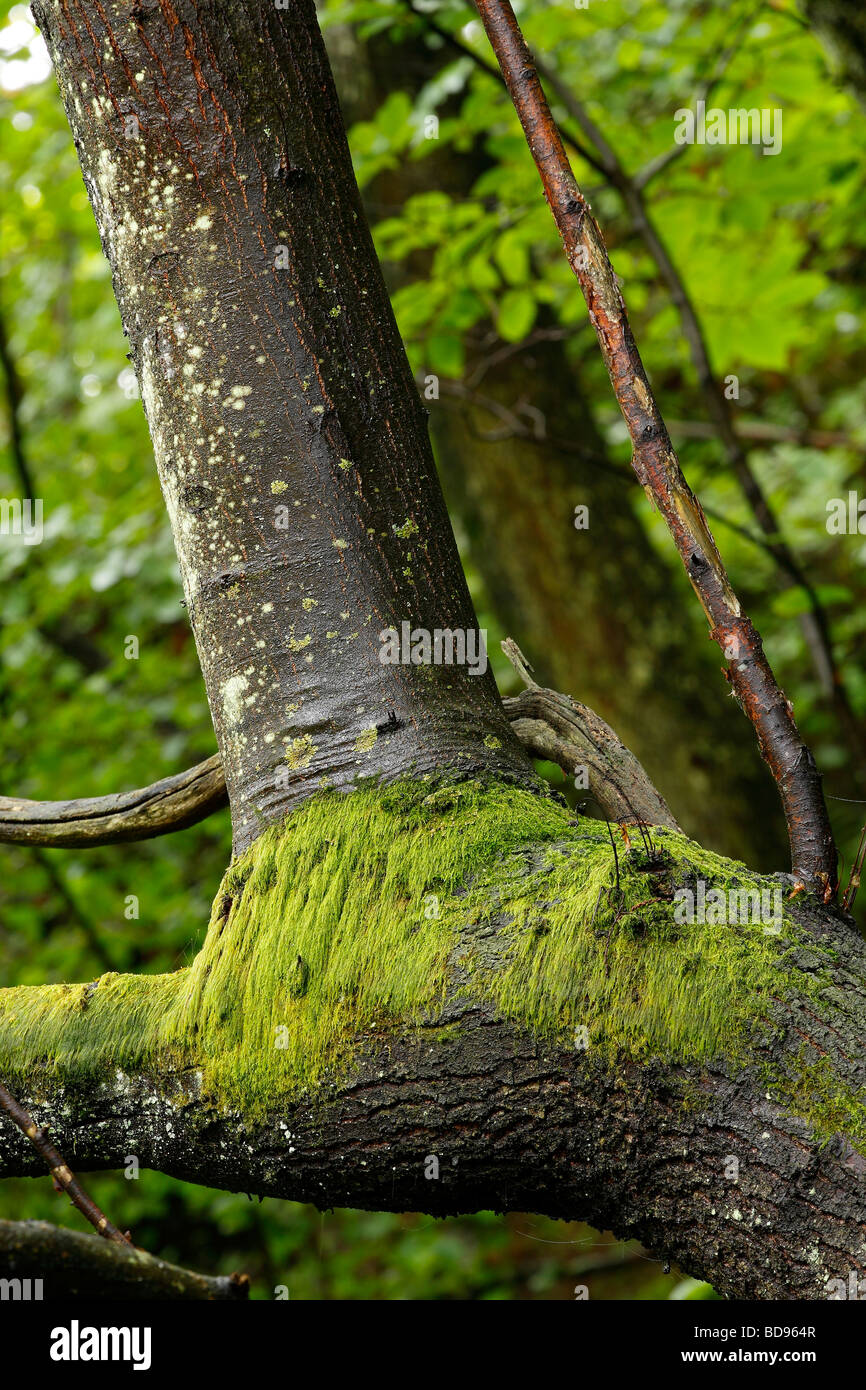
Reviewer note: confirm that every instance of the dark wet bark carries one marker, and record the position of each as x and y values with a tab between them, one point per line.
520	1125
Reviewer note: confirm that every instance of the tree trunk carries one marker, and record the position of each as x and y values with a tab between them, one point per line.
289	437
439	991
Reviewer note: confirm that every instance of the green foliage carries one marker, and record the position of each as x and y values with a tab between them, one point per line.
772	251
770	248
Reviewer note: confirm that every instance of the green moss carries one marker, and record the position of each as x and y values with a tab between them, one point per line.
357	913
814	1091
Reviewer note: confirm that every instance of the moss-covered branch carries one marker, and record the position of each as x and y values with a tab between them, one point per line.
409	926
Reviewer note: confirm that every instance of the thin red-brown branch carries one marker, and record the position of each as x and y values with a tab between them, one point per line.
64	1179
813	851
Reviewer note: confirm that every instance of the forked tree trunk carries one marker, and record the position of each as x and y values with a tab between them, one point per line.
264	387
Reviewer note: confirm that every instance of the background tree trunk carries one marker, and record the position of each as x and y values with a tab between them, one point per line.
841	26
597	612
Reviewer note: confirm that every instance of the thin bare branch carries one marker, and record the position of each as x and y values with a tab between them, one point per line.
72	1264
812	847
64	1179
165	806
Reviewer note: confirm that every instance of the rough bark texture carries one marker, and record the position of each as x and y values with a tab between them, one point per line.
290	440
521	1125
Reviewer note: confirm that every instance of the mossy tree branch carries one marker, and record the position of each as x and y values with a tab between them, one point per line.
636	1137
444	962
467	971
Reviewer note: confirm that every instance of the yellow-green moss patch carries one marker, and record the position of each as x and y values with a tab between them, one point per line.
362	909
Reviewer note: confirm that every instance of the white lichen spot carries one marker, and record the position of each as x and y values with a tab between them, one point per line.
233	699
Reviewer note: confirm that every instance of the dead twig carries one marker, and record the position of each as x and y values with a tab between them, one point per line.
64	1179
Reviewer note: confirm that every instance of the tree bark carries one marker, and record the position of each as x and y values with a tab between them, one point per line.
520	1125
241	145
289	437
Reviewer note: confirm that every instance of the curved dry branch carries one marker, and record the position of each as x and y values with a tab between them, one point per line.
165	806
565	732
549	725
813	851
70	1264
